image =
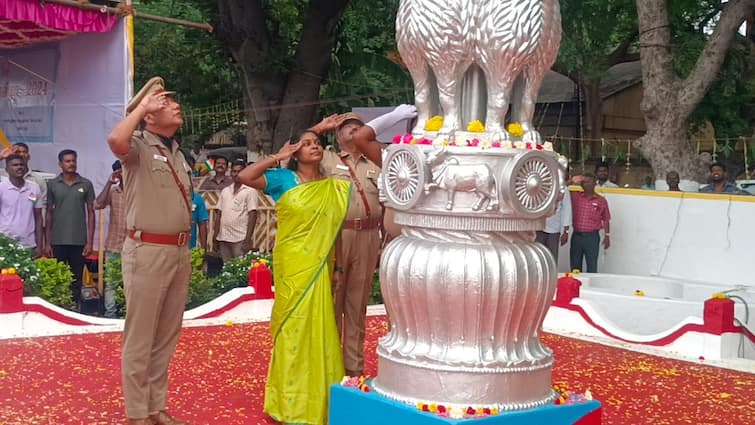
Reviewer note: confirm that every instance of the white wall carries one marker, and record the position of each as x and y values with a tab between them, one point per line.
691	236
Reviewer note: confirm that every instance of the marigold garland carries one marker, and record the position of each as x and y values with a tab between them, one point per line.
515	129
476	126
434	124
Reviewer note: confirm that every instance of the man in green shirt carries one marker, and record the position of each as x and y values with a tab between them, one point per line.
70	218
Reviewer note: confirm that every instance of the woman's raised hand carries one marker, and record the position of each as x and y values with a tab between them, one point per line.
287	151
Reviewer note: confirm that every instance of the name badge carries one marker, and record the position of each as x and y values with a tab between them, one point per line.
370	174
81	189
160	158
342	167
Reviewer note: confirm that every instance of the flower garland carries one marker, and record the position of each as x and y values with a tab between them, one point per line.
570	397
476	126
409	139
468	412
565	397
358	382
434	124
515	129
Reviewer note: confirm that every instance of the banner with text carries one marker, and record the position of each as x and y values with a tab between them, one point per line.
27	94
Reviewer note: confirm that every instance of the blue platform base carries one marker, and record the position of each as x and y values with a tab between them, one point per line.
349	406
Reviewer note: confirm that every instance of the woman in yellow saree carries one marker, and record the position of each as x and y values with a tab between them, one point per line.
306	358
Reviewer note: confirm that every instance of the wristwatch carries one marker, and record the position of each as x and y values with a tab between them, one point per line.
338	269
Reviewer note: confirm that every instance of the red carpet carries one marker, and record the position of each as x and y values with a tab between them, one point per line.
218	374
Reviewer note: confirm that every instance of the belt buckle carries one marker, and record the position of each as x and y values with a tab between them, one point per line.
183	237
357	224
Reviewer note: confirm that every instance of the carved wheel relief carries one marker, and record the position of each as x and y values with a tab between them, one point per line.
533	183
404	177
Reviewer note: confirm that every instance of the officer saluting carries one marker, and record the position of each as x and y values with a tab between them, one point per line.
155	256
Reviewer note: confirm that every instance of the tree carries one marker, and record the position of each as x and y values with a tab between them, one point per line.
192	62
366	68
283	50
670	100
597	34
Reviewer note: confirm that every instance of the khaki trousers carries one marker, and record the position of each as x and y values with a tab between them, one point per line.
358	257
156	284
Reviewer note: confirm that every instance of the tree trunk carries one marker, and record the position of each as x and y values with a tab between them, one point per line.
594	108
300	98
278	103
668	100
242	28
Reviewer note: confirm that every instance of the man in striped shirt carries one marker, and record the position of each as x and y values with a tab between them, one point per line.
237	216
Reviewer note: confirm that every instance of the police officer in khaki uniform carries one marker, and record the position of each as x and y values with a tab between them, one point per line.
155	256
359	246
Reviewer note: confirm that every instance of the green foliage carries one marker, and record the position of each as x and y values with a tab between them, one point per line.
192	61
13	255
235	272
376	297
114	277
364	60
197	258
201	288
591	30
55	282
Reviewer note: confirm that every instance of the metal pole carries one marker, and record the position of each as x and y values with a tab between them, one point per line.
122	12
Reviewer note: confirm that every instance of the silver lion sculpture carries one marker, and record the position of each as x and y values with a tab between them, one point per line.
512	42
465	285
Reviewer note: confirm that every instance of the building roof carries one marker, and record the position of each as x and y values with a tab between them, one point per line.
558	88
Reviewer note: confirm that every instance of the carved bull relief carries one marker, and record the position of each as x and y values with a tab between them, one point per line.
447	174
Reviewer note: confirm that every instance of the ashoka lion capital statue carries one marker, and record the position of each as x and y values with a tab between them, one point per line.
465	285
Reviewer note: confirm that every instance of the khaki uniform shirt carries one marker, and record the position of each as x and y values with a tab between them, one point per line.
154	200
367	173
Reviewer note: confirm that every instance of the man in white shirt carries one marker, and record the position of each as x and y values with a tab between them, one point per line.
21	206
236	218
601	176
557	226
37	177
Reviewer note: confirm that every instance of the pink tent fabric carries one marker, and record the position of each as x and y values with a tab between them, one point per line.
25	22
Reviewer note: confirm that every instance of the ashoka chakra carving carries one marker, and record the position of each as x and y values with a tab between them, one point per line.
534	183
404	176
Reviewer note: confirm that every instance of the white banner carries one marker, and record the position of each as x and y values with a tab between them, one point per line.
27	94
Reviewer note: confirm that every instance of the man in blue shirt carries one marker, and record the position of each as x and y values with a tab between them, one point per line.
199	216
199	219
719	183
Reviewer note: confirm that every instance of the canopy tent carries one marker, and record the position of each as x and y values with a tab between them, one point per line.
64	82
27	22
65	79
